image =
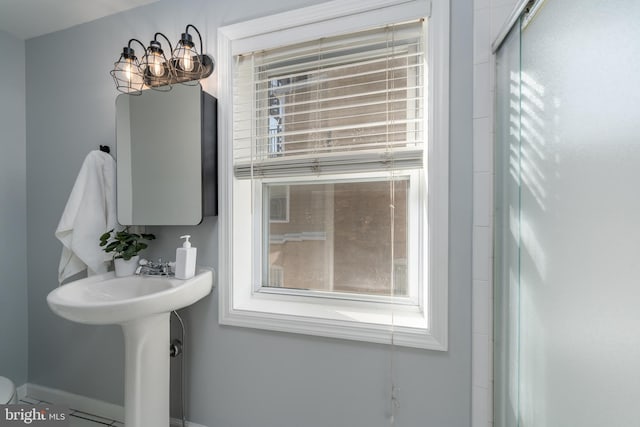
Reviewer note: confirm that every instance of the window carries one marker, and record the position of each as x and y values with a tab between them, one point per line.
334	188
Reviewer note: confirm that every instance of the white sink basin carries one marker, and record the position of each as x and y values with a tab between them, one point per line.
141	305
105	299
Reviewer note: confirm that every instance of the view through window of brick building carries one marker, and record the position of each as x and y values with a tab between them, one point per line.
338	237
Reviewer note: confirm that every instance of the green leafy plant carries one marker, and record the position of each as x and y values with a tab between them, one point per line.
124	244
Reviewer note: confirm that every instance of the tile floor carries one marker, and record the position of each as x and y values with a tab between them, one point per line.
78	418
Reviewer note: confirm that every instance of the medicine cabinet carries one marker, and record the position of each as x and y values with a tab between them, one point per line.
166	157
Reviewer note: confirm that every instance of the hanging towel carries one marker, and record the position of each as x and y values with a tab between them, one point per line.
90	212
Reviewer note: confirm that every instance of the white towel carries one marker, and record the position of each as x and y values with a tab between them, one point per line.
90	212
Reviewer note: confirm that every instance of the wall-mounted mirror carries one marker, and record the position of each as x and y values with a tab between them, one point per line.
166	157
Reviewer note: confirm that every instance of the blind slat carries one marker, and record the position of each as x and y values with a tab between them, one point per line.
262	85
364	58
413	60
332	164
337	99
325	129
340	114
401	33
320	151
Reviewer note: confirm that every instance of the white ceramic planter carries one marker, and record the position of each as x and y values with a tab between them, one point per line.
126	268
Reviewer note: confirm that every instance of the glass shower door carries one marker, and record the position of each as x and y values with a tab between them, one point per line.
567	294
507	232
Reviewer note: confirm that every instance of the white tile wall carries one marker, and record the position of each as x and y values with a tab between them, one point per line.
482	104
482	32
500	11
482	205
481	251
489	16
481	307
482	145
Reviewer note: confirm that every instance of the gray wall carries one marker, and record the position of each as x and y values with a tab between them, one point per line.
236	377
13	208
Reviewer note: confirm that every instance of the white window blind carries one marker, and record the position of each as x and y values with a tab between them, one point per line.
343	104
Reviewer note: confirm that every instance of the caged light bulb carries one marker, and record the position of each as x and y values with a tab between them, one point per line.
127	70
186	60
156	65
129	74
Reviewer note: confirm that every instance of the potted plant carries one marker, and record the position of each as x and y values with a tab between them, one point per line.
125	247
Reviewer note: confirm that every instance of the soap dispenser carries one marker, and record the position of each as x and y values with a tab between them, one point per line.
186	260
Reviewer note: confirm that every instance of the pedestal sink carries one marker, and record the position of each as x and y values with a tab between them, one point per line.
142	306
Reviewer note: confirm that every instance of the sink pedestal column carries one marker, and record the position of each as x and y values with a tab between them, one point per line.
146	389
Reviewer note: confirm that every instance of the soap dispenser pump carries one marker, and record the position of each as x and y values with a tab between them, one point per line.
186	260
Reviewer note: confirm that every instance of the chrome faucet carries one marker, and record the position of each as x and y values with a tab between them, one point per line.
150	268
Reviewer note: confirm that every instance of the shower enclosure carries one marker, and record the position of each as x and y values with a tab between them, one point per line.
567	216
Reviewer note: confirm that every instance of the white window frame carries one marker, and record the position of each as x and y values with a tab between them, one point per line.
422	326
414	201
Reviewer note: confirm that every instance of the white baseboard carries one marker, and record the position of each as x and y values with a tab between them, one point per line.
178	423
83	403
21	391
76	401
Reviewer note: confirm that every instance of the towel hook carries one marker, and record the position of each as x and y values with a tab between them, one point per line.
105	148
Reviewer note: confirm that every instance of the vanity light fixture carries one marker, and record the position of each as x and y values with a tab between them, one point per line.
187	65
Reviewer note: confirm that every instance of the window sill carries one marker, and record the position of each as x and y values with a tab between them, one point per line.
401	325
